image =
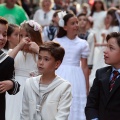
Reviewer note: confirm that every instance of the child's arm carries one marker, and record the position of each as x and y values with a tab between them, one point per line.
86	72
9	85
92	106
34	47
64	104
7	72
20	46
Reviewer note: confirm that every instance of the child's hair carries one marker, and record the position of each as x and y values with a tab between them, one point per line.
54	49
115	35
3	21
34	30
62	32
81	14
90	20
11	29
111	11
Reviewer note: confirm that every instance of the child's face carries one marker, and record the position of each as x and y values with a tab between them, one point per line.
3	35
72	26
82	21
46	63
112	53
108	19
14	37
98	5
55	20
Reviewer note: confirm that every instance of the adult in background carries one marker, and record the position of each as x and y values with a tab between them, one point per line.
12	12
44	15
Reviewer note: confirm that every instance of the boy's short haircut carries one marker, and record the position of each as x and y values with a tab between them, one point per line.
54	49
3	21
81	14
115	35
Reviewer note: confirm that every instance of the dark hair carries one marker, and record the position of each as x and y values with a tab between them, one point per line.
35	35
11	29
111	11
115	35
56	13
62	32
94	9
3	21
54	49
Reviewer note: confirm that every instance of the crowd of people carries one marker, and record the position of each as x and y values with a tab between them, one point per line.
57	61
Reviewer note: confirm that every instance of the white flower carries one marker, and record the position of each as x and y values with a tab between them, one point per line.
61	15
35	25
61	22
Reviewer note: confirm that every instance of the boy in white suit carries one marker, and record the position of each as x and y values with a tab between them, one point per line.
47	96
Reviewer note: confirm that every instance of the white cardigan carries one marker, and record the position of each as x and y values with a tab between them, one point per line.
55	104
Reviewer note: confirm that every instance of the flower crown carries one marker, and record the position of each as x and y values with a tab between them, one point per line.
61	21
35	25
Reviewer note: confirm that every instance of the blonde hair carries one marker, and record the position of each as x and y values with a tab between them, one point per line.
35	35
52	3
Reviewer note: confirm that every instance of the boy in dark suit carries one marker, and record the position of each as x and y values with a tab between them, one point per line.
6	70
103	102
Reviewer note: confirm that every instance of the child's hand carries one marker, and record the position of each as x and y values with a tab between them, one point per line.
5	85
23	42
33	47
103	35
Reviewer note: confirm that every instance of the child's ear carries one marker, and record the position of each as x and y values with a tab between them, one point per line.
65	28
57	64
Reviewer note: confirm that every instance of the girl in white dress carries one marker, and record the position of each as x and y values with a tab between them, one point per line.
25	64
76	49
98	14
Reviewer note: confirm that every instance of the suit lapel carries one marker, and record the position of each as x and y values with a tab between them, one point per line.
105	82
3	56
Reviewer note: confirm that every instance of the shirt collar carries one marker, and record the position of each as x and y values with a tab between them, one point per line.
115	69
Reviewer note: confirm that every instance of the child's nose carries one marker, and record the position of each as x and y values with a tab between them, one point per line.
1	36
41	61
105	51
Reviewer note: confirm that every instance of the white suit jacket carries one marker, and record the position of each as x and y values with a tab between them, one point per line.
55	103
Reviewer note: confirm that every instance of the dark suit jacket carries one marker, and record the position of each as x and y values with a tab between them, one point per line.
6	73
101	103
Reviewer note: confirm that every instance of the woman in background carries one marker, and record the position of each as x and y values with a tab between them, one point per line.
44	15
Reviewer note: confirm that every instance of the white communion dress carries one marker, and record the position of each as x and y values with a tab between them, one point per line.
25	67
71	70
